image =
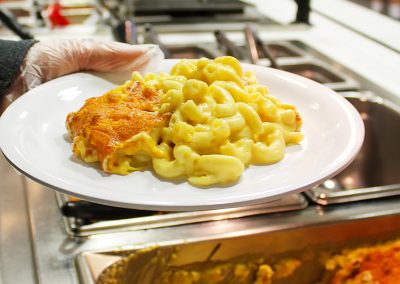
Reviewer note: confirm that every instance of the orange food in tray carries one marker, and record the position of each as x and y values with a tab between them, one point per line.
378	264
105	125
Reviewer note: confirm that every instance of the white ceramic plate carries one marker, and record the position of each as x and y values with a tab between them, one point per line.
34	139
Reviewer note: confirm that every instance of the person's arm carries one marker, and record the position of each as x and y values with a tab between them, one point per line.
47	60
12	53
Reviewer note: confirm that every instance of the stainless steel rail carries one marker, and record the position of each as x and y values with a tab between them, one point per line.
305	237
375	171
169	219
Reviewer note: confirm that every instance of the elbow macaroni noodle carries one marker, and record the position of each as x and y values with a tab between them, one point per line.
221	120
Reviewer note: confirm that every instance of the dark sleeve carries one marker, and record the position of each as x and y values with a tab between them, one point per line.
12	54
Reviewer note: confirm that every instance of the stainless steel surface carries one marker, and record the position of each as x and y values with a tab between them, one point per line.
296	58
305	235
227	46
314	72
249	14
282	49
311	64
55	251
209	26
160	219
191	52
284	53
289	57
375	171
189	7
360	82
256	47
52	249
150	36
319	72
251	44
16	259
123	26
264	50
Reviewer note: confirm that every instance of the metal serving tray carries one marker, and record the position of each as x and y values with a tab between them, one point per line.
375	171
309	238
284	50
75	228
280	50
322	73
291	56
314	72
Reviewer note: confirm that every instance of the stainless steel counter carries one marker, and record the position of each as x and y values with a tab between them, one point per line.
16	258
54	252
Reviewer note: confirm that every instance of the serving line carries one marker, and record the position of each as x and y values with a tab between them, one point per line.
51	243
54	262
317	235
57	252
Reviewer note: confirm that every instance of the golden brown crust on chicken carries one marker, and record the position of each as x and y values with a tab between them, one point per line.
105	122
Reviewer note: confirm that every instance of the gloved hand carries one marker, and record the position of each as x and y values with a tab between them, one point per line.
48	60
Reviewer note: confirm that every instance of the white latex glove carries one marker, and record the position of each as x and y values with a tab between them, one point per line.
48	60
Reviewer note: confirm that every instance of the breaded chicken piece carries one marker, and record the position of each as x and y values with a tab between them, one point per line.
107	123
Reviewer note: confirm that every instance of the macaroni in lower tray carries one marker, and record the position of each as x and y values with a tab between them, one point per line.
206	120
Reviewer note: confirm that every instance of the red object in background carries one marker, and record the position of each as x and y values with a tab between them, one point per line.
55	16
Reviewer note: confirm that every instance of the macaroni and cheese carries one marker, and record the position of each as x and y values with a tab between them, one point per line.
206	120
